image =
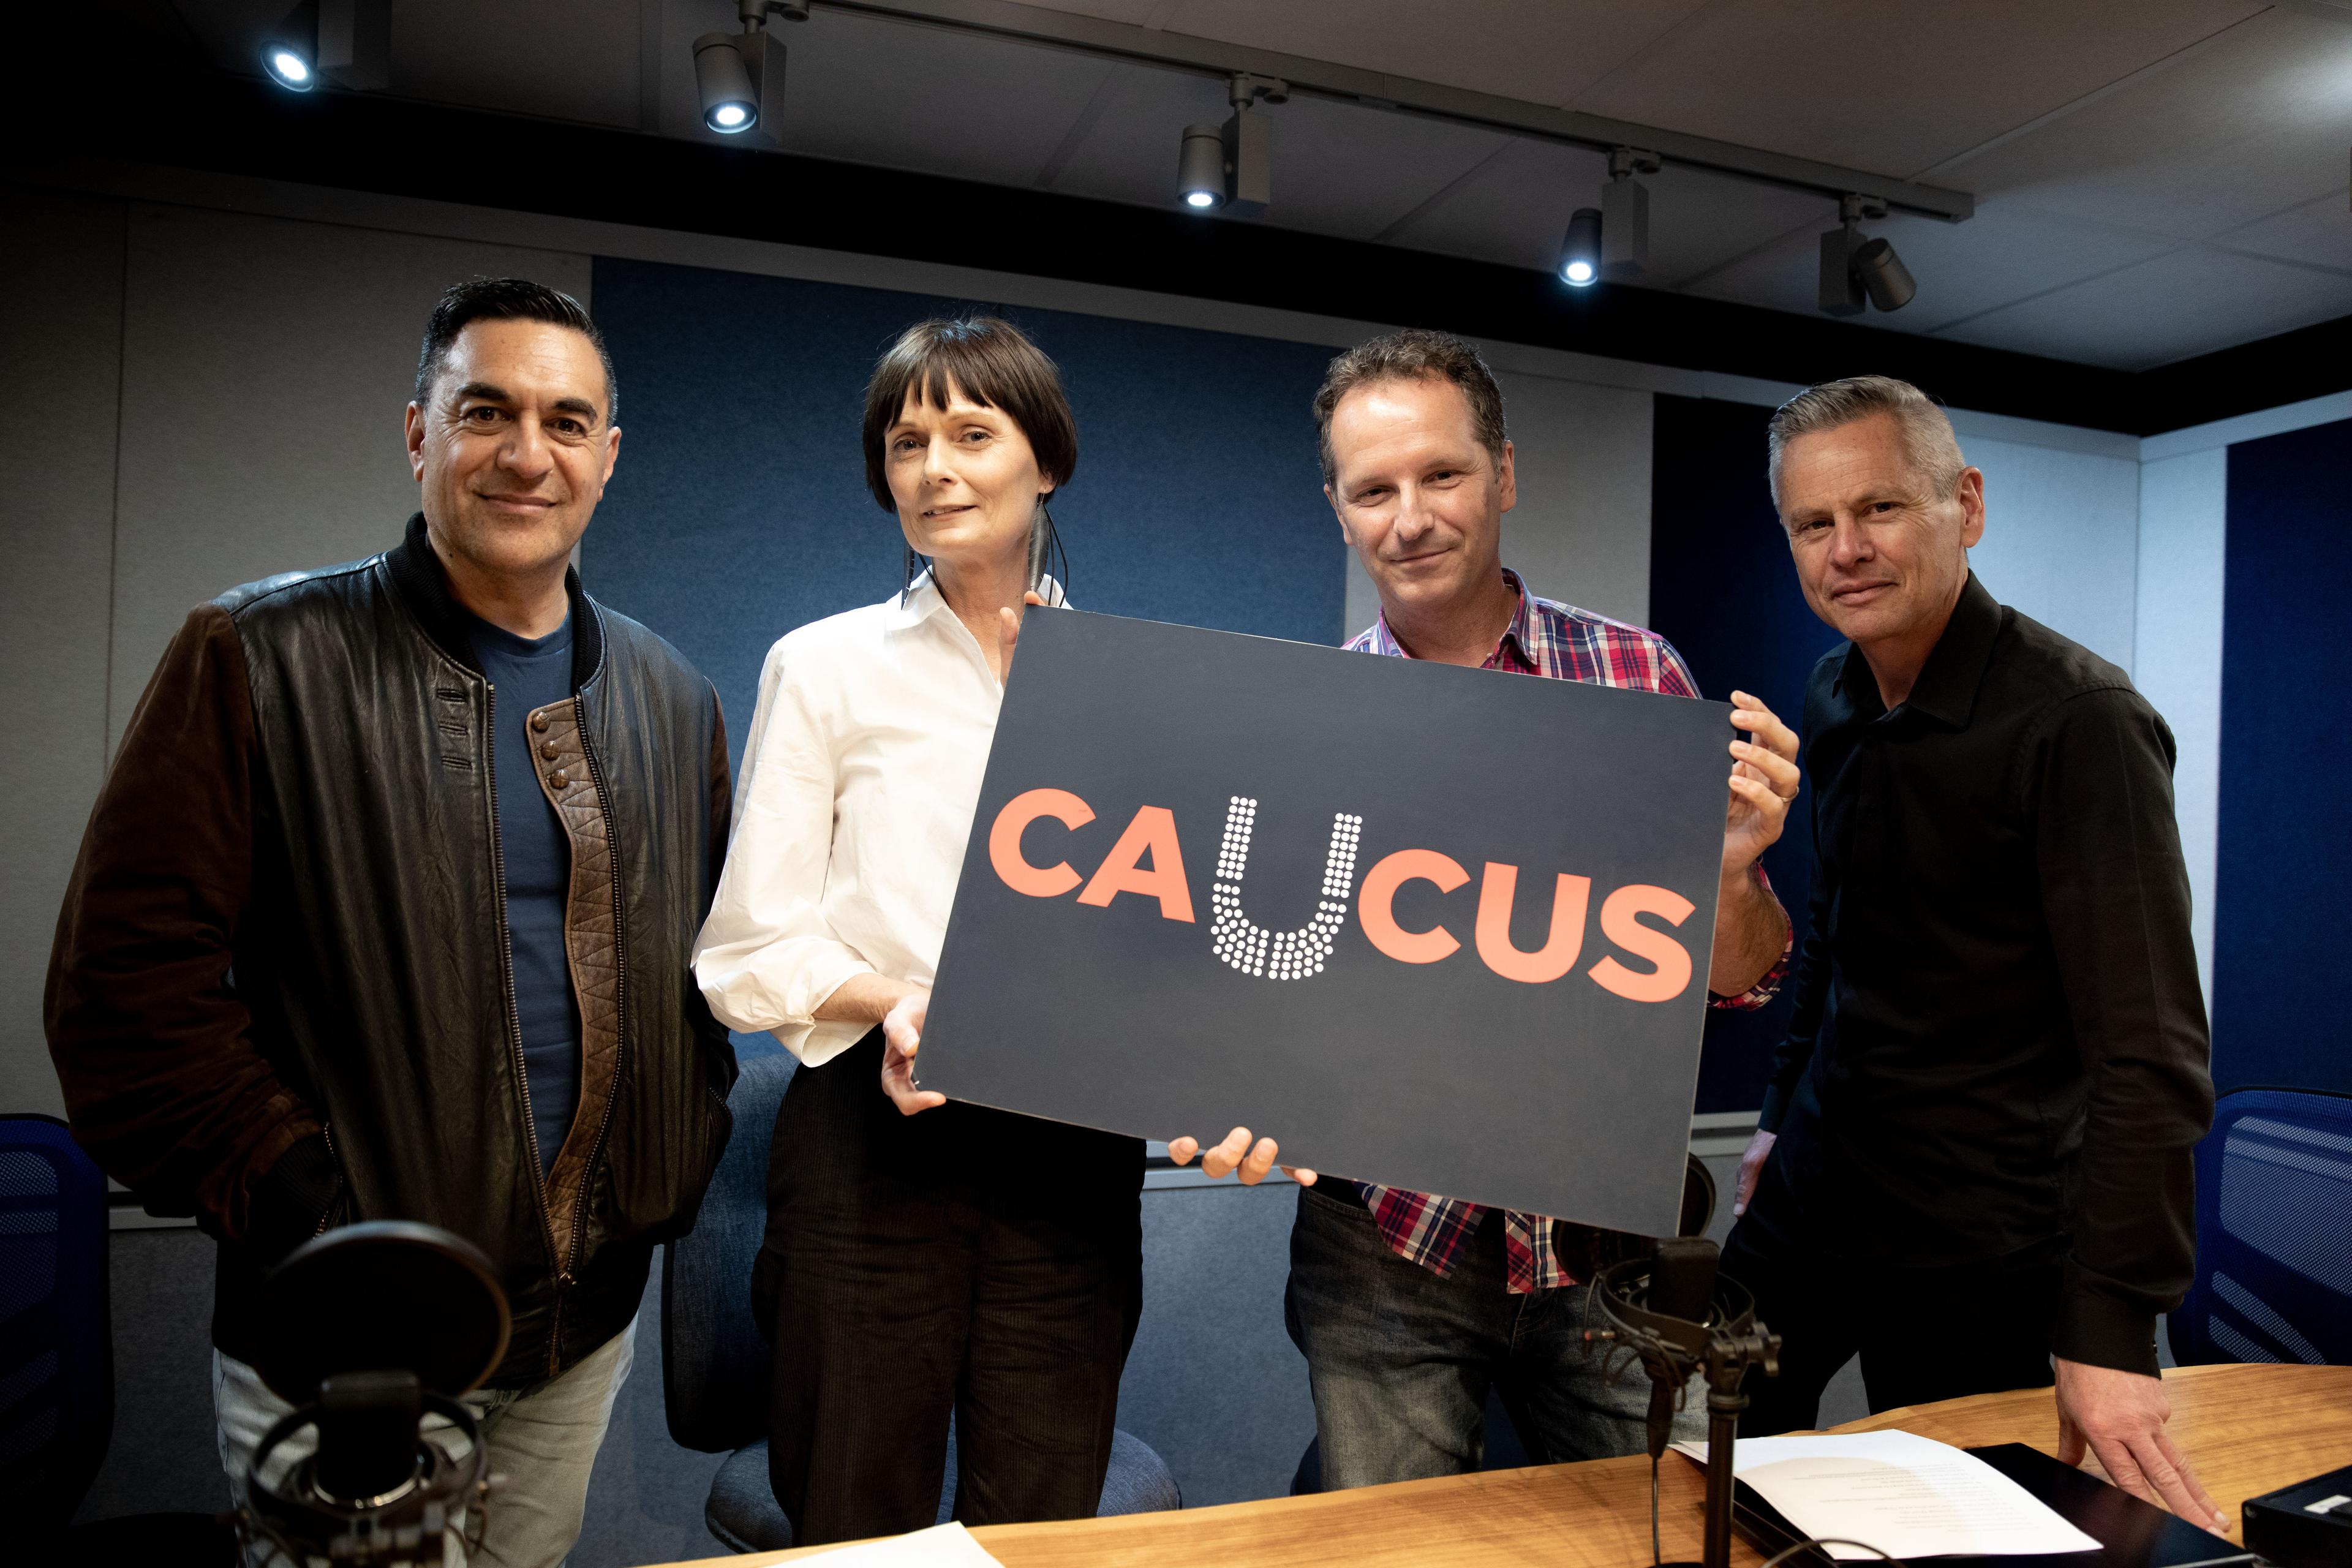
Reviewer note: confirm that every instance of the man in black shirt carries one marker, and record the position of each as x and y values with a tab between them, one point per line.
1975	1151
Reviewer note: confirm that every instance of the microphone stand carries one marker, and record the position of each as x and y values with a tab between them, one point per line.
1671	1348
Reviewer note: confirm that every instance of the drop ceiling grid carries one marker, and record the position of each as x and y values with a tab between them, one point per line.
2221	167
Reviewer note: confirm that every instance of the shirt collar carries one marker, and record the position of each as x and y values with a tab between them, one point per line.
922	600
1520	630
1946	688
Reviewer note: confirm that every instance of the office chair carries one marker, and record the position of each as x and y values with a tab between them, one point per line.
715	1361
56	1363
2273	1233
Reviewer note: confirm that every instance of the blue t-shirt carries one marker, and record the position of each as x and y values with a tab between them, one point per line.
525	674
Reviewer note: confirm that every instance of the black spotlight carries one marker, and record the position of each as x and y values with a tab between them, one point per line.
289	51
1883	277
1855	269
1579	251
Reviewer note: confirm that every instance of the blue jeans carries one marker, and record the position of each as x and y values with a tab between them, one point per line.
1401	1359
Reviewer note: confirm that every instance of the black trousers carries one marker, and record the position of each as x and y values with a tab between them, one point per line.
962	1259
1923	1333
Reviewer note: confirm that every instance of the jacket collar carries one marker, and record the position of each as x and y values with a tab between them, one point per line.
423	587
1946	688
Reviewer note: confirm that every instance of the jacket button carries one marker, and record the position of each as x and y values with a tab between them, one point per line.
539	722
547	750
560	778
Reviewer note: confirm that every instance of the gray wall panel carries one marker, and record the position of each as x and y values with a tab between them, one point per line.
265	368
60	314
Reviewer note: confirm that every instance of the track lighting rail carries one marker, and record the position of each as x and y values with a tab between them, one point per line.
1404	95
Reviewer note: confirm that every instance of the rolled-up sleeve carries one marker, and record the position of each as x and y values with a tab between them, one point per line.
767	958
2116	893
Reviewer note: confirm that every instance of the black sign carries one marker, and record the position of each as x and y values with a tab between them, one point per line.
1438	928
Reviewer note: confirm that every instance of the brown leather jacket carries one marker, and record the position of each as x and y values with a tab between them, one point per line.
280	998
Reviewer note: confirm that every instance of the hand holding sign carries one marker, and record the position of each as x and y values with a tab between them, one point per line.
1763	782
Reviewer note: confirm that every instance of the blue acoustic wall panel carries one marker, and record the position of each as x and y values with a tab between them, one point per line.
1722	590
2284	859
739	510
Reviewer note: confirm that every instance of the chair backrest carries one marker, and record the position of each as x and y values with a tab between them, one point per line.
714	1358
56	1346
2273	1233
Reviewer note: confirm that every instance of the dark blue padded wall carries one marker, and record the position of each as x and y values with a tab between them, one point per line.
1722	590
2284	858
739	510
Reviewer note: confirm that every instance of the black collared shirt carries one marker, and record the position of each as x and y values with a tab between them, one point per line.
1998	1035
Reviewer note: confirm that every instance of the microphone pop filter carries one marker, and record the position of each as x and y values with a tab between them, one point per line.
385	1296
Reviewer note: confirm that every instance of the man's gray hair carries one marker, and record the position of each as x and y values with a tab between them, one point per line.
1926	432
1415	354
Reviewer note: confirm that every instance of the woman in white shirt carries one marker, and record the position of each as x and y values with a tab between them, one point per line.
920	1256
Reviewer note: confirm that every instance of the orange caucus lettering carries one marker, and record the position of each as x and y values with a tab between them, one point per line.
1004	841
1381	884
1558	955
1618	924
1154	828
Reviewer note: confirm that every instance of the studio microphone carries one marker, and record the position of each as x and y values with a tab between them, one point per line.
1679	1316
1682	1286
371	1332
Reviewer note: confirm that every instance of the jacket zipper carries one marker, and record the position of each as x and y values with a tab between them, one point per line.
514	1025
620	1002
327	1130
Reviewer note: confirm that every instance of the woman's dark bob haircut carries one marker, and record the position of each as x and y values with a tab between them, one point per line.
991	362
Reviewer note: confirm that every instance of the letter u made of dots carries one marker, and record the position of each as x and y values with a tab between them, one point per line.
1285	955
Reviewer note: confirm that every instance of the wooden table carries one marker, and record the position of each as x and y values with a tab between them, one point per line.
2247	1430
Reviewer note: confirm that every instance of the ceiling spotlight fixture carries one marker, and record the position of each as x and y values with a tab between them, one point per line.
1231	166
1625	215
739	77
290	52
1855	269
1201	167
1579	252
345	41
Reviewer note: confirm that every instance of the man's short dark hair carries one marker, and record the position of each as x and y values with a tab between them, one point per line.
1415	354
506	300
990	361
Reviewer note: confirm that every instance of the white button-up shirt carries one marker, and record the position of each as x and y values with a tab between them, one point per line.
860	778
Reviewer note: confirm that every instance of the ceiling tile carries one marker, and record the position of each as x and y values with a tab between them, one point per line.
2175	307
550	58
867	90
1895	88
2318	232
2254	124
1543	51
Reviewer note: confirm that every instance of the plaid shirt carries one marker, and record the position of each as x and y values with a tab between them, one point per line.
1563	643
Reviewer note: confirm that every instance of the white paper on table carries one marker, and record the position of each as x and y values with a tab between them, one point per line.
942	1546
1908	1496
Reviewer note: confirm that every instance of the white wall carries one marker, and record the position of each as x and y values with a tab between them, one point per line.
2183	528
2062	540
195	399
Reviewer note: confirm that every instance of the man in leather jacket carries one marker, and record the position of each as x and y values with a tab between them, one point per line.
386	906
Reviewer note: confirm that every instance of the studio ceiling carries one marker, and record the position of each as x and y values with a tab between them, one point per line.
2155	179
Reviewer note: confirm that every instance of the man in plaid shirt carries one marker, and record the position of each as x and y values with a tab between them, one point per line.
1410	1306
